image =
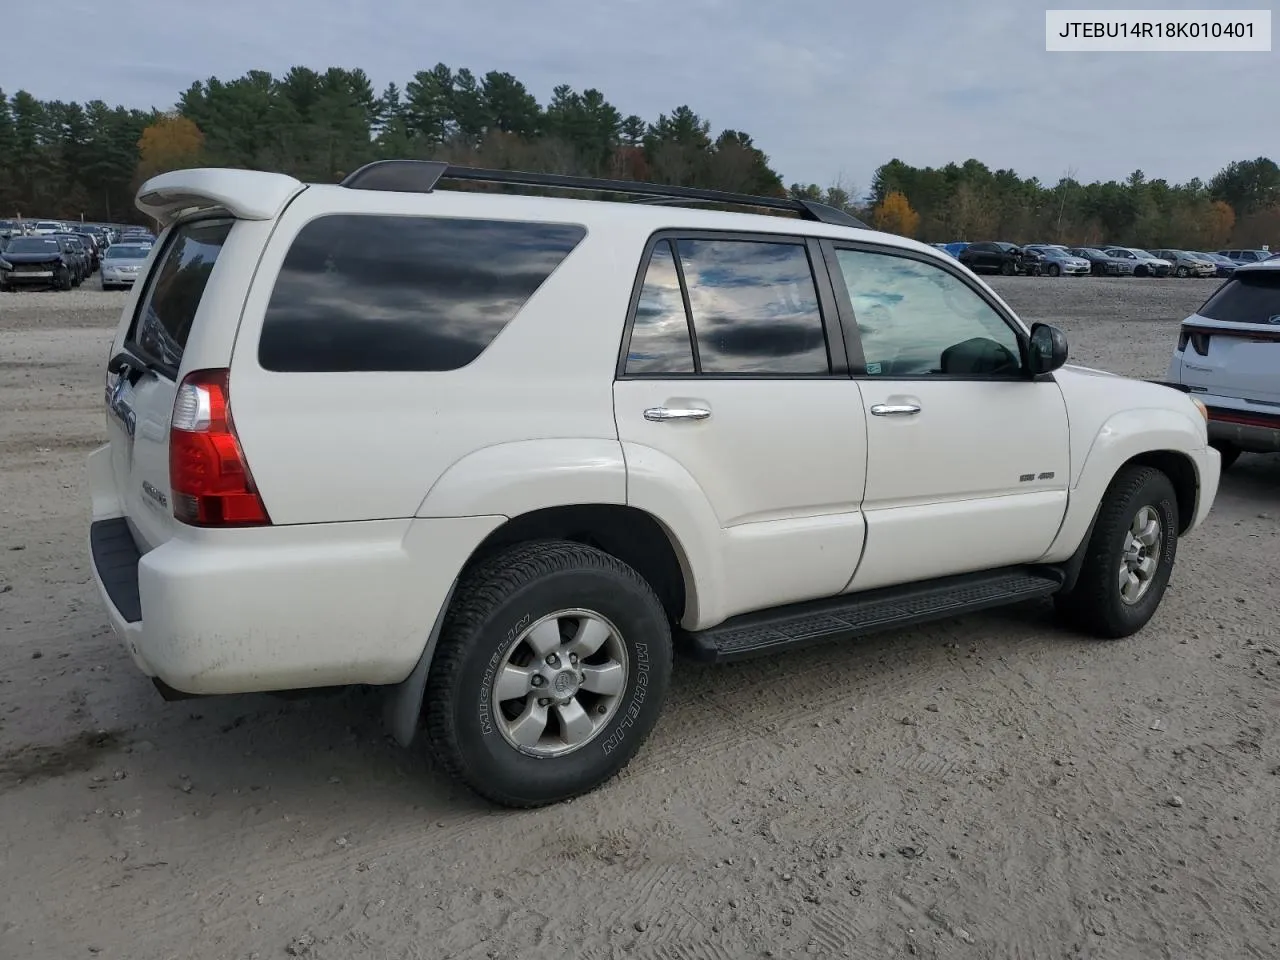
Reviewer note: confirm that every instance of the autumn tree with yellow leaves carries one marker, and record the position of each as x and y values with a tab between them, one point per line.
171	143
894	215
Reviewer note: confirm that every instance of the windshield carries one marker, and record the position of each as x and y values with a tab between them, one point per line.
122	251
33	245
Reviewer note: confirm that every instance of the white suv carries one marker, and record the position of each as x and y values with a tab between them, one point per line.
1228	354
503	454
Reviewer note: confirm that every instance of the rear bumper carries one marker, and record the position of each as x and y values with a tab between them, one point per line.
277	608
1252	432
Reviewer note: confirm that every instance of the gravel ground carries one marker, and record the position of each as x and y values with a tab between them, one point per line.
984	788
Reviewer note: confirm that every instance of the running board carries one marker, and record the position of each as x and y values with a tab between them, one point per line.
852	615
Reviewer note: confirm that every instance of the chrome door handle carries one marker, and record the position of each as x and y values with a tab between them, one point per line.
895	409
662	414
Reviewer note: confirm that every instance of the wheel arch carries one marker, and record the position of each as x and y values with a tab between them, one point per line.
634	536
630	534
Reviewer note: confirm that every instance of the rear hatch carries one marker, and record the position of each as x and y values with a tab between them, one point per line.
142	375
1231	346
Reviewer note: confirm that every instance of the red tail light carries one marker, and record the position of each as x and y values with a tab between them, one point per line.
210	480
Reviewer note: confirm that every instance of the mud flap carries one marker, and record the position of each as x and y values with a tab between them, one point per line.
402	708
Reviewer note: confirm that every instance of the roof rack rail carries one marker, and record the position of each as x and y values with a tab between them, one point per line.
421	176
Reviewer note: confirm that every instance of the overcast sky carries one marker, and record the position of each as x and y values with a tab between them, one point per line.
829	89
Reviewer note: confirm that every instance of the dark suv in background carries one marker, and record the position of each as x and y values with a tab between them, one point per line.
994	256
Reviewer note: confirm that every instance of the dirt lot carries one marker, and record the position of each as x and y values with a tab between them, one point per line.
987	788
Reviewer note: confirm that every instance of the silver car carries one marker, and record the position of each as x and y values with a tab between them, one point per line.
1187	264
121	263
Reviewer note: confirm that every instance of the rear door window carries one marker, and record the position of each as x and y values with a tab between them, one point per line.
365	292
754	307
162	323
1251	296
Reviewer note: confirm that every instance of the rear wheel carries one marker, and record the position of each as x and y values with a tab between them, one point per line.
551	671
1129	558
1228	452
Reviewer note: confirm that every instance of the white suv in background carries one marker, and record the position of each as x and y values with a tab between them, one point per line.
1228	355
503	454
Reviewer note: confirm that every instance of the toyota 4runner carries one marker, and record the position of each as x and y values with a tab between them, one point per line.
504	454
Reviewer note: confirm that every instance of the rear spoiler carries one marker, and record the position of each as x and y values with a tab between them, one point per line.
245	194
1172	386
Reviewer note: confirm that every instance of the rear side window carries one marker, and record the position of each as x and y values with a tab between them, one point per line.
379	293
660	336
163	321
1251	296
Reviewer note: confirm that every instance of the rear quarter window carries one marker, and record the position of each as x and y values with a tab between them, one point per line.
1252	296
177	282
364	292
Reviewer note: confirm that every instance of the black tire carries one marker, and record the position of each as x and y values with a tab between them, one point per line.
494	603
1140	271
1095	604
1228	452
1054	270
1183	273
1007	268
63	280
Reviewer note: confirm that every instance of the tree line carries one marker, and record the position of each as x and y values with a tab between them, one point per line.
1238	207
65	160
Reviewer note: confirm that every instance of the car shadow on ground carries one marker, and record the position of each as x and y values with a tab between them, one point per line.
327	755
1255	476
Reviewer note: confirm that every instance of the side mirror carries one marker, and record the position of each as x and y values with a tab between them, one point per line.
1048	349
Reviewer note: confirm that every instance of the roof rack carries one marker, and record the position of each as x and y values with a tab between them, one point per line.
421	176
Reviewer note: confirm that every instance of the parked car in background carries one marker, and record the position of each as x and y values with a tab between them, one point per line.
77	254
1057	261
44	228
993	256
1186	263
37	261
1144	264
1223	266
1228	357
1242	257
955	248
122	263
1103	264
92	246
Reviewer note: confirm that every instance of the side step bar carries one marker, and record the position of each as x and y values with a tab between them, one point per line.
851	615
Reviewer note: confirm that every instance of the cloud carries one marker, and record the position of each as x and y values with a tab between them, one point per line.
827	88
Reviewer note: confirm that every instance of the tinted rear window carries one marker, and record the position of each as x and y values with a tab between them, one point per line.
1249	297
177	282
367	292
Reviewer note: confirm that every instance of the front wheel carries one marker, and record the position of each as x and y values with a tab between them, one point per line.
551	670
1007	268
1054	270
1129	558
1183	273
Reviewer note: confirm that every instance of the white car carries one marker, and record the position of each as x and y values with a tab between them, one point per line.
1145	264
1228	357
503	454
